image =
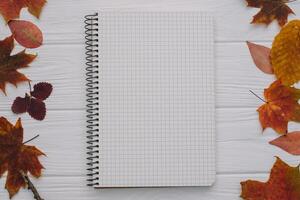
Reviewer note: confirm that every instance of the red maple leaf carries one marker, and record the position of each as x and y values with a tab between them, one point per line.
9	64
16	157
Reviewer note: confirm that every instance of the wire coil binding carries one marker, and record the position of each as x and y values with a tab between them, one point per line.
92	77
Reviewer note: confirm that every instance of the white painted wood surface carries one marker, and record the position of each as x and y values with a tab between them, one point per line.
243	151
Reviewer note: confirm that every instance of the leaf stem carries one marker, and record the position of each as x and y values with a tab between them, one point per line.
31	139
31	187
258	96
30	89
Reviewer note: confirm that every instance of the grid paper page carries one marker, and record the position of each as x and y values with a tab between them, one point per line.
156	85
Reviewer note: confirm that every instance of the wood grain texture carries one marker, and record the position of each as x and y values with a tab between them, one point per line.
63	65
70	188
62	138
242	150
61	20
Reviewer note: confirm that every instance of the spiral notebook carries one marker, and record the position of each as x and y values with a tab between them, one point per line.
150	99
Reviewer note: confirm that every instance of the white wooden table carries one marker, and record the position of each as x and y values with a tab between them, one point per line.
242	151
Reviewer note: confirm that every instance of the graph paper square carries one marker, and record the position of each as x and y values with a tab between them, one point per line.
156	99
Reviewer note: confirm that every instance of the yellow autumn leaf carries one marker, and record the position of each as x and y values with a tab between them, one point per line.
285	53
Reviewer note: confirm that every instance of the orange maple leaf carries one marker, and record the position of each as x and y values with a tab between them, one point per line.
283	184
9	64
281	107
16	157
270	10
10	9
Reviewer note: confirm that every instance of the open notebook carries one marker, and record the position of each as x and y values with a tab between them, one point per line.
150	94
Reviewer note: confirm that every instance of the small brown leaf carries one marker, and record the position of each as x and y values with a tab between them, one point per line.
261	57
37	109
26	33
41	90
270	10
20	105
33	102
289	142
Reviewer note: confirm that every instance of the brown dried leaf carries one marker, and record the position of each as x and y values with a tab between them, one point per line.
270	10
10	64
33	102
16	157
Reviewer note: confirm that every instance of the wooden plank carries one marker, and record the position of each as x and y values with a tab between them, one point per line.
236	74
239	141
62	21
227	187
241	148
64	67
61	65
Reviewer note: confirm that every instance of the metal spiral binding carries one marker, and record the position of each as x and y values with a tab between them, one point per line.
92	75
